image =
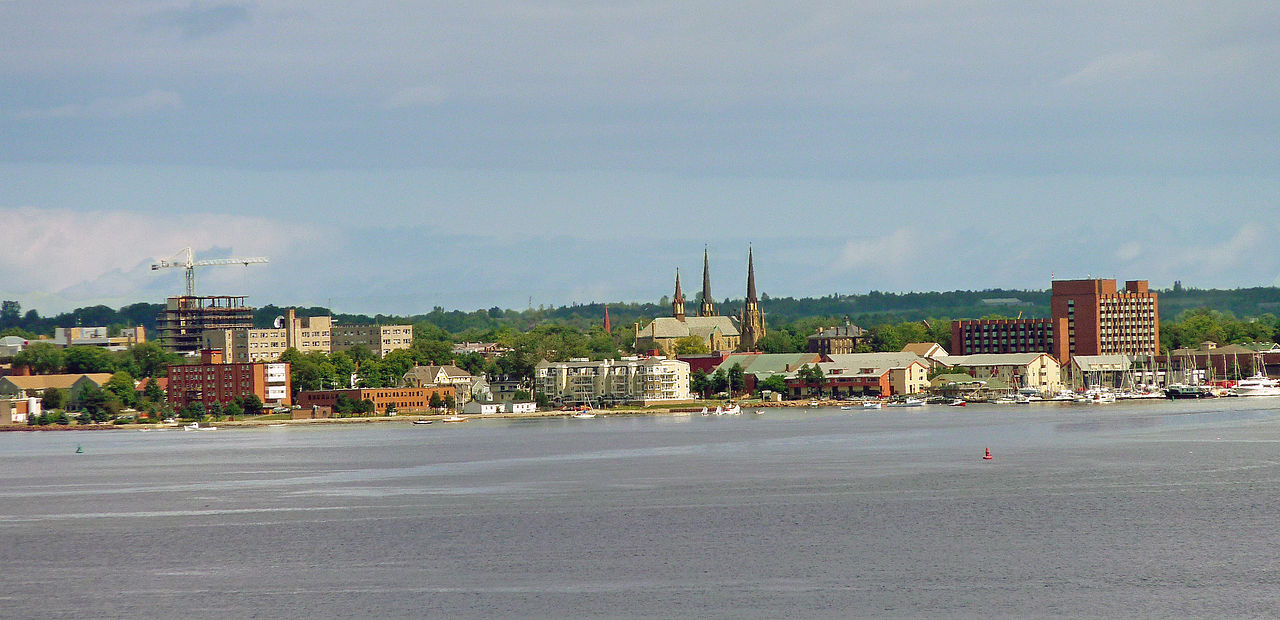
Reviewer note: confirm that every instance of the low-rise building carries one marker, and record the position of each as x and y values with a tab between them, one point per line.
380	339
477	407
16	411
97	337
1105	370
863	374
32	385
757	367
839	339
214	381
1019	370
605	382
403	399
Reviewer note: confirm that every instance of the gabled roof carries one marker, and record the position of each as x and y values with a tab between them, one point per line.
925	349
767	363
700	326
892	359
839	331
991	359
1101	363
41	382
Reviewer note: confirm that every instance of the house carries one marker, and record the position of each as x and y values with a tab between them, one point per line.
527	406
839	339
14	411
757	367
864	374
927	350
31	385
1020	370
476	407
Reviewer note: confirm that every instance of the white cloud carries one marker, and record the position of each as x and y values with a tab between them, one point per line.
154	100
1117	67
896	254
57	250
1129	251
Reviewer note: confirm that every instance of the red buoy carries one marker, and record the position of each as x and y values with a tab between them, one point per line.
987	456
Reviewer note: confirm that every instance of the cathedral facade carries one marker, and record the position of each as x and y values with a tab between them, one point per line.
717	332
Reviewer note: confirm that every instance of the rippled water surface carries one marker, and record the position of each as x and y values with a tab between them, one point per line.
1144	509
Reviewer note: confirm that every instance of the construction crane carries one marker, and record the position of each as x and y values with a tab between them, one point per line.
185	259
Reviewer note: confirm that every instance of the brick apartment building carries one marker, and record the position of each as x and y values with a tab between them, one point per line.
212	381
1009	336
1101	319
403	398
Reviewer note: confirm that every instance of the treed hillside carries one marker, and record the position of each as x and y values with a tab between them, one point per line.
867	309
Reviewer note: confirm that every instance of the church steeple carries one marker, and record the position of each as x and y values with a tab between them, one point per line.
677	302
708	306
752	319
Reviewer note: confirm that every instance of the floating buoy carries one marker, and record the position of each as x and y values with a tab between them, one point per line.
79	450
987	456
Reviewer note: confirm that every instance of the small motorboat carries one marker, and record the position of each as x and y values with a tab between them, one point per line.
957	403
583	415
910	402
871	405
454	418
422	421
195	426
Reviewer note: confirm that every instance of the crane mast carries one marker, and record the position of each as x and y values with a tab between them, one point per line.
185	259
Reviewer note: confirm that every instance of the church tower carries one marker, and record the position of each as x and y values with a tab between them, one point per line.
677	302
708	307
752	319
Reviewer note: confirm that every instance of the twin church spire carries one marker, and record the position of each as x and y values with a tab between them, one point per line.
751	318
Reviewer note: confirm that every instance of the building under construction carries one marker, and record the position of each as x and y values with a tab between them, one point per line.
184	319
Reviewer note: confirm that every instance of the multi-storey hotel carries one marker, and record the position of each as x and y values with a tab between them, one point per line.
1101	320
1009	336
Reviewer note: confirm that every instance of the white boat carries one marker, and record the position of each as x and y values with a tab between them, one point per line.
195	426
846	407
957	403
733	410
1064	396
454	418
584	415
910	402
1029	395
704	411
1257	385
871	405
1006	400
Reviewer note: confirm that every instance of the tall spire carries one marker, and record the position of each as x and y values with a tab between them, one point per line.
752	319
708	307
608	328
677	302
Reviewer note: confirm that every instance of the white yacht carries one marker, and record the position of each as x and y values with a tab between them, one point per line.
1257	385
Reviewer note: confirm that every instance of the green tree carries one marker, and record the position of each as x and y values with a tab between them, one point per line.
53	398
737	379
252	405
150	359
436	402
153	393
42	358
691	345
778	341
89	359
121	385
700	383
773	383
720	381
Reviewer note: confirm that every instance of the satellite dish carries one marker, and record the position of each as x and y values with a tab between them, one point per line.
279	322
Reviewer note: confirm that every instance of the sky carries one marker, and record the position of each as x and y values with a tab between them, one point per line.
390	157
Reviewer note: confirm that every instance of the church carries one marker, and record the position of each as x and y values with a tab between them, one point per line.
717	332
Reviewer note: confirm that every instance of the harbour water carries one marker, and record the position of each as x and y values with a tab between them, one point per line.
1133	509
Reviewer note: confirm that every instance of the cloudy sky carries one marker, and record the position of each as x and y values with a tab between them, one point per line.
394	156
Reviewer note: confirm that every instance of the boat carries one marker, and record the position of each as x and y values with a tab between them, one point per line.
871	405
733	410
759	411
454	418
846	407
704	411
1029	395
1006	400
422	421
1064	396
910	402
1257	385
957	403
583	415
1179	391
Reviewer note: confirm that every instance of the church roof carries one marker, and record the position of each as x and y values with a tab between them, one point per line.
700	326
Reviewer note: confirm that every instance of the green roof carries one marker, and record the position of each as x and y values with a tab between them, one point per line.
767	363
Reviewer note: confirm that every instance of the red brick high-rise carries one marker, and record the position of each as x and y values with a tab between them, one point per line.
1102	320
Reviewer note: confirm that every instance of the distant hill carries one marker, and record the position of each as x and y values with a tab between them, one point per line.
871	308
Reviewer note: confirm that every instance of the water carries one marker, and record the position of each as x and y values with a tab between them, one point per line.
1143	509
